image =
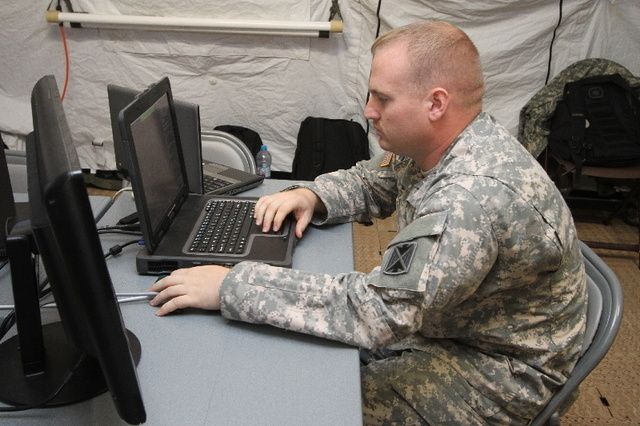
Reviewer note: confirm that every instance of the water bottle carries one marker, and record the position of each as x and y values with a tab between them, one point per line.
263	162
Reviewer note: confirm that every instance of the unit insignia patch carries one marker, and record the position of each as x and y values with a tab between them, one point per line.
399	260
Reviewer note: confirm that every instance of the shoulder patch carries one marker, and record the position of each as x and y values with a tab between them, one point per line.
399	262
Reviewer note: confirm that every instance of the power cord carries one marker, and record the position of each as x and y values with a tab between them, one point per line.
63	36
117	249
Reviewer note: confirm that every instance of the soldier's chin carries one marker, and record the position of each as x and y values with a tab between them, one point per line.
382	143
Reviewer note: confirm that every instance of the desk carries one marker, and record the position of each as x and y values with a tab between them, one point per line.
198	368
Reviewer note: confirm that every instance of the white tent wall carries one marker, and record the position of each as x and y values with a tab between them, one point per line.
270	84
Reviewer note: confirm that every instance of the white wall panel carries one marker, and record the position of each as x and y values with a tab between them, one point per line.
271	84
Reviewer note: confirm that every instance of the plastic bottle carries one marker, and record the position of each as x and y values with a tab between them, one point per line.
263	162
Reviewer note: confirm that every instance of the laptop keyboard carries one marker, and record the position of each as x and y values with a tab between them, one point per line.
224	228
210	183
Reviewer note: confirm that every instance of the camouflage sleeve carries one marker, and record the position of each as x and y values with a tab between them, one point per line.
433	264
366	190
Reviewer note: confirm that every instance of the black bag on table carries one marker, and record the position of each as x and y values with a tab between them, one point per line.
597	123
325	145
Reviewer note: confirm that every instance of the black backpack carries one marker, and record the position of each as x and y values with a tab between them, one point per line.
325	145
597	123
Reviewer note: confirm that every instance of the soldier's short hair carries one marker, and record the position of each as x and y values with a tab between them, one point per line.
440	54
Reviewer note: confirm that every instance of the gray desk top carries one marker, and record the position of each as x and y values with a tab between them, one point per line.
199	368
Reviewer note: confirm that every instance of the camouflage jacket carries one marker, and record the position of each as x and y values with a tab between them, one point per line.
486	264
533	126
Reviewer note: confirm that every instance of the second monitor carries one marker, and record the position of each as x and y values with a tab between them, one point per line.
202	177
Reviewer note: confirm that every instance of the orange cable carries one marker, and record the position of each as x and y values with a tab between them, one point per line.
66	62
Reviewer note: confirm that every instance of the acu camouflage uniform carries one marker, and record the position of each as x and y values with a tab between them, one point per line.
481	296
533	127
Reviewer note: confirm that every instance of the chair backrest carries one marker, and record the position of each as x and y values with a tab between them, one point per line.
594	313
604	314
224	148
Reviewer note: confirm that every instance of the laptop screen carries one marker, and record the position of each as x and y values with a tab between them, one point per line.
158	158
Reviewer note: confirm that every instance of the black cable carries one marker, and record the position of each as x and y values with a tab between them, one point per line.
10	320
377	34
115	250
52	395
378	16
3	264
546	80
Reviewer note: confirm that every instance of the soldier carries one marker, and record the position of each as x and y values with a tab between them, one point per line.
477	313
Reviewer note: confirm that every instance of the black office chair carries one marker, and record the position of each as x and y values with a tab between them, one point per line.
604	314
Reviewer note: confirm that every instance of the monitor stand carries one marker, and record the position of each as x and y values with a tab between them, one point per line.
31	374
87	381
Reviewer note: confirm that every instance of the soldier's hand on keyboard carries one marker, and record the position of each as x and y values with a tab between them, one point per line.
271	210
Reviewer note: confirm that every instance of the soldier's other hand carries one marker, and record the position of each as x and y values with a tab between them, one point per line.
197	287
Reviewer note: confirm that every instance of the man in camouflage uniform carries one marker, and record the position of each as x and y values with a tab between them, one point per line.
477	312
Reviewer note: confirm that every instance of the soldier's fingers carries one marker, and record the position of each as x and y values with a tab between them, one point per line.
261	206
168	281
302	222
174	304
168	294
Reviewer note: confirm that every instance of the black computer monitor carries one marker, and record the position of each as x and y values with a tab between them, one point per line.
91	340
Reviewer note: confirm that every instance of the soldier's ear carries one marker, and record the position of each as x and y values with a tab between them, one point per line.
437	102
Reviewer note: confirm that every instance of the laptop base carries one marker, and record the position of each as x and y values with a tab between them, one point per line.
156	264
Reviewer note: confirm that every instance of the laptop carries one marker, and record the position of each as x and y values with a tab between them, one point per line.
172	219
202	176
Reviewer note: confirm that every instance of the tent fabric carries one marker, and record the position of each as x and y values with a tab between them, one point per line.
270	84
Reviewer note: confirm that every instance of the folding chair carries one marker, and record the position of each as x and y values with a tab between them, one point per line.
604	314
224	148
